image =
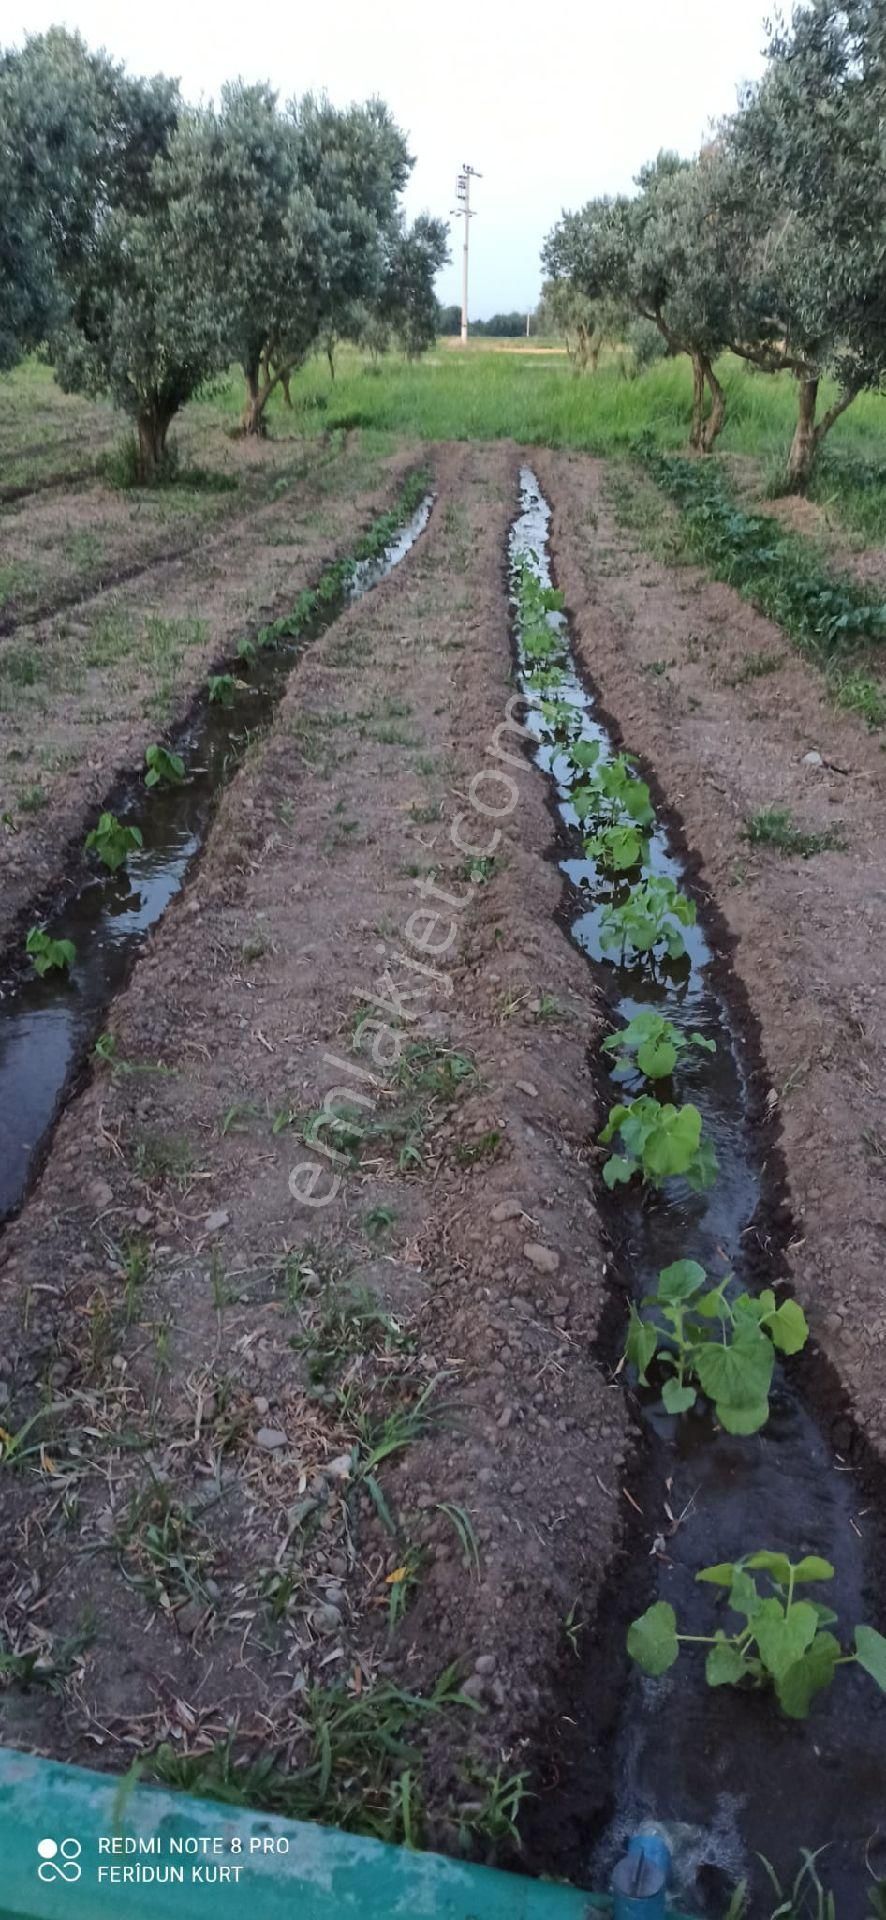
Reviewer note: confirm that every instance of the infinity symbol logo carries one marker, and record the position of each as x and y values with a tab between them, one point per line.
59	1861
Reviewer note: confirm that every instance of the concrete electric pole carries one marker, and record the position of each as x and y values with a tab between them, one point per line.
463	209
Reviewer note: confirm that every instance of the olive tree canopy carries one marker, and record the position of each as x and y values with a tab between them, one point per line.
284	216
77	137
809	237
407	303
660	255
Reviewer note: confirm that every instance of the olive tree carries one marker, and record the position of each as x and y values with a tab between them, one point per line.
583	323
286	214
26	277
660	255
407	304
77	138
141	329
106	281
809	224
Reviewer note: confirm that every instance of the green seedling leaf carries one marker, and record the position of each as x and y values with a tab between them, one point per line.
221	689
641	1345
680	1280
47	955
724	1666
673	1143
870	1652
722	1575
652	1640
585	754
737	1378
617	848
112	841
812	1567
582	802
650	917
660	1141
164	768
783	1638
702	1170
796	1689
657	1059
719	1344
743	1595
775	1564
618	1171
657	1043
784	1641
787	1327
677	1399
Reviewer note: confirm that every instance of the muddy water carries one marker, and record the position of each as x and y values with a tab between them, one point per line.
723	1770
47	1026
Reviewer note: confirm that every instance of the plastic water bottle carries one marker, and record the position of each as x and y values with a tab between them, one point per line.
640	1880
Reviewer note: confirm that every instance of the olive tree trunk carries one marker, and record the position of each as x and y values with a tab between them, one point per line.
809	432
804	445
716	418
152	426
696	430
252	419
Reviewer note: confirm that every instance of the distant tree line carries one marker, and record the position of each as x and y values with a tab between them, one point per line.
771	243
501	326
146	244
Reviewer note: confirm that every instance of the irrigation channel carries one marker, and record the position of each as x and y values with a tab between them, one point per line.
48	1025
723	1769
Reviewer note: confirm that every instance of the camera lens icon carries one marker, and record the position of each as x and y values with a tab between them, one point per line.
59	1860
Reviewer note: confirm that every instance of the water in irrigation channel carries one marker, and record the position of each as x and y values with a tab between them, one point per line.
725	1772
47	1026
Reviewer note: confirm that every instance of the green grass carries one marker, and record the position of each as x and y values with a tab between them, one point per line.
362	1771
774	827
487	394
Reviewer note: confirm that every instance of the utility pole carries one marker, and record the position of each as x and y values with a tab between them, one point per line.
463	209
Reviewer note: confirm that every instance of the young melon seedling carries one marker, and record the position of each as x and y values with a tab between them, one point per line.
656	1043
584	754
47	955
784	1643
618	849
658	1142
562	717
163	767
701	1339
651	916
112	841
221	689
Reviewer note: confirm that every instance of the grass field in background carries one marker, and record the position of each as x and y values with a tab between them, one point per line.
530	393
534	397
486	393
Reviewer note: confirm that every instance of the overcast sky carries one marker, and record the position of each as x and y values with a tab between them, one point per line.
551	104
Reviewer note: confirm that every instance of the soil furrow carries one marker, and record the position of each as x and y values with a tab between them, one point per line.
125	676
235	1368
669	654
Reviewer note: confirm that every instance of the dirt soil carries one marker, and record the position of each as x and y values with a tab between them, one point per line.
271	1422
680	662
840	546
83	694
